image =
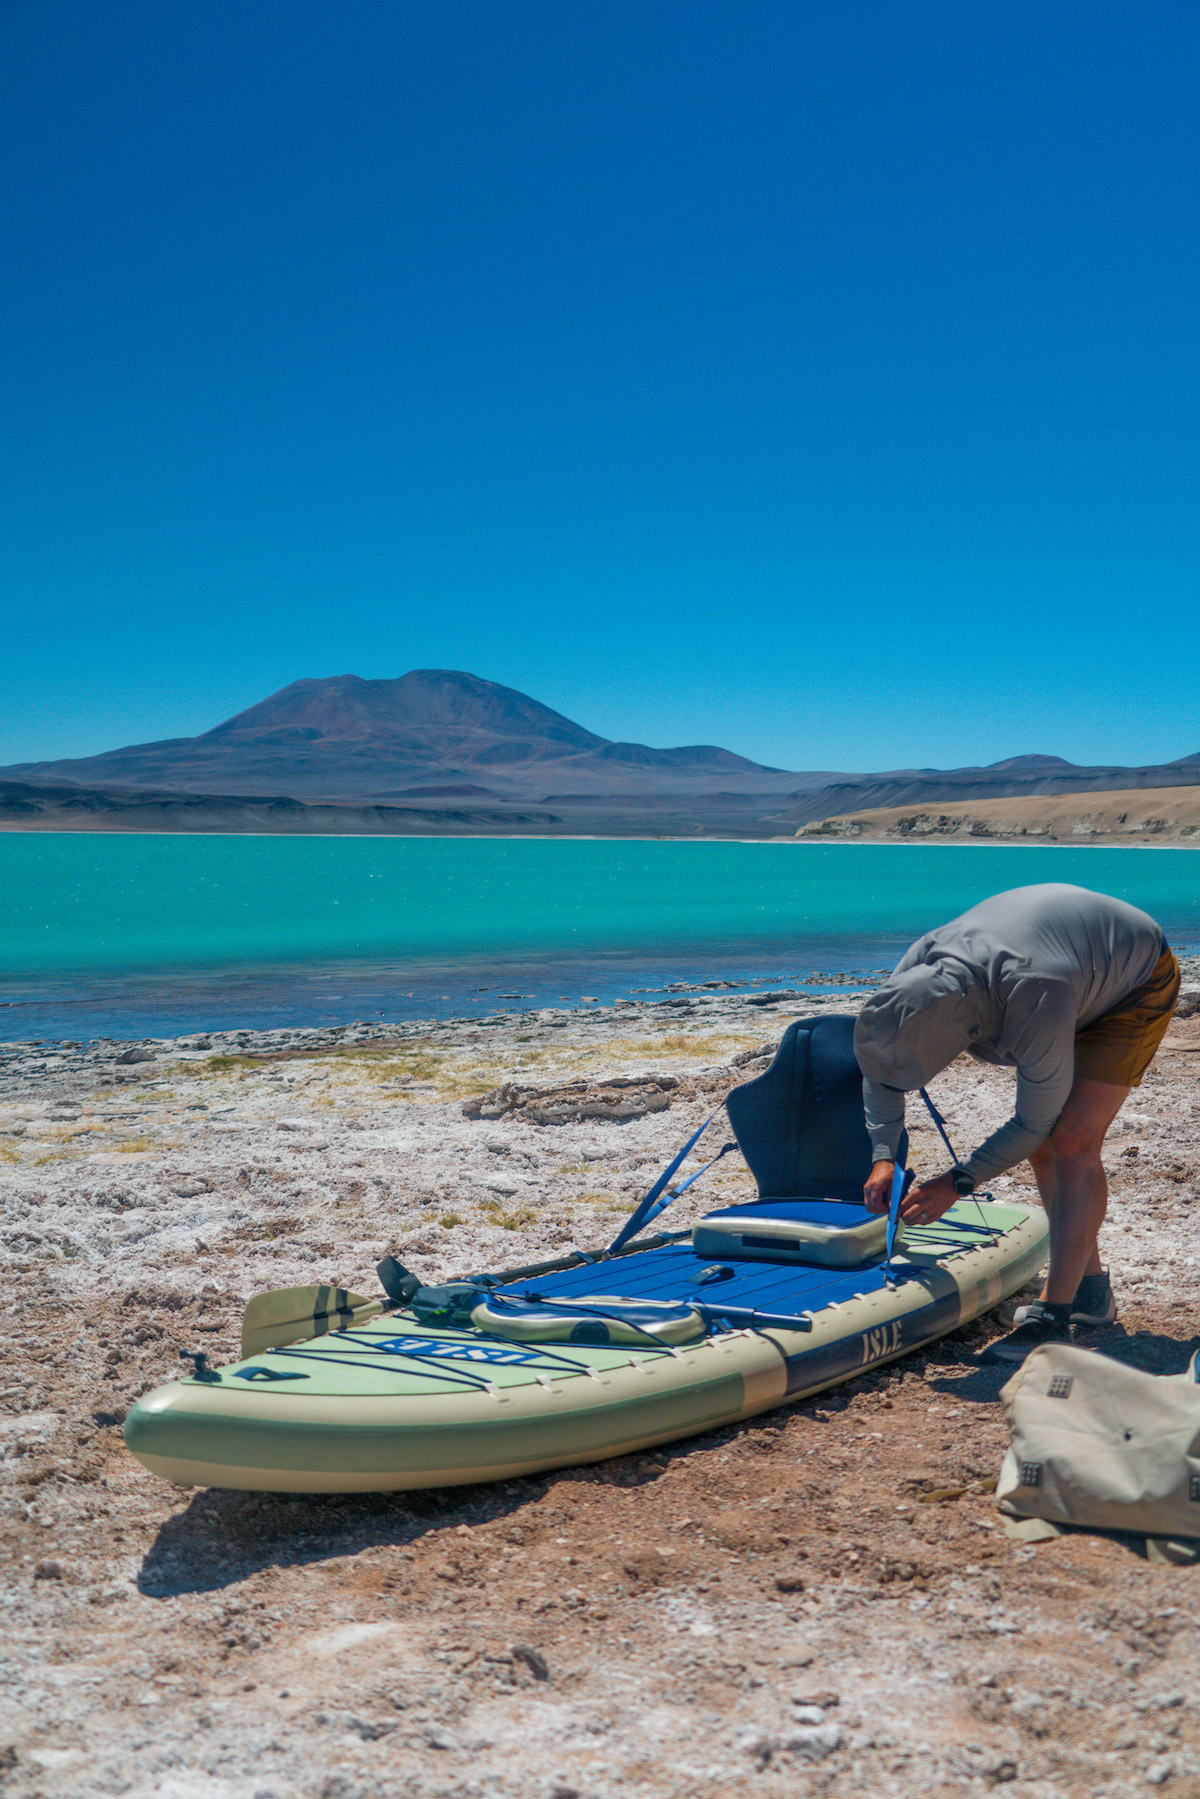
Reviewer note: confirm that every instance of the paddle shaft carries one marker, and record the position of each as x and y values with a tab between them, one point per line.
746	1317
581	1259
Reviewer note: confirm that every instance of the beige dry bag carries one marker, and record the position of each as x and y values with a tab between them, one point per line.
1100	1445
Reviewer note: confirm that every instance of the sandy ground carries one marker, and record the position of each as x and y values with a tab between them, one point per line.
1150	815
785	1608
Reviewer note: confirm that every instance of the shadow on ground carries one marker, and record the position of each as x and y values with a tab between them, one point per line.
222	1537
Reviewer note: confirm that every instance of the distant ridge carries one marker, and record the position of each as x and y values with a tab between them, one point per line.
442	751
1154	815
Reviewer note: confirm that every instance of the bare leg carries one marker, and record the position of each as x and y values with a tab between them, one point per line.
1046	1176
1071	1180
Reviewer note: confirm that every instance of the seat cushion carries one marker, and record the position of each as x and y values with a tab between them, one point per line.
823	1233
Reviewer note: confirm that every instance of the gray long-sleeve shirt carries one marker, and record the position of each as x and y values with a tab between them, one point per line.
1011	981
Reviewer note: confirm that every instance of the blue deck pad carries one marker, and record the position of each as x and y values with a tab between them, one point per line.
670	1273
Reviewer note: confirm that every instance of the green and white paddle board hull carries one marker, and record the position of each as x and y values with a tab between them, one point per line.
388	1404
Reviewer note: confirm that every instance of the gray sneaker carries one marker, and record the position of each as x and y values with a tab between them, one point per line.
1042	1324
1093	1302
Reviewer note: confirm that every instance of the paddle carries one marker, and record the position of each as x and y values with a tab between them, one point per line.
295	1314
902	1180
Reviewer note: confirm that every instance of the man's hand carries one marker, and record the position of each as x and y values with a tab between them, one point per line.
920	1205
877	1194
923	1204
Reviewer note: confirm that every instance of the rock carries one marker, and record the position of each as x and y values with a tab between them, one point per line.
338	1786
370	1729
797	1655
756	1745
1188	1005
815	1742
135	1055
807	1714
500	1183
534	1660
618	1097
973	1761
48	1571
191	1188
789	1583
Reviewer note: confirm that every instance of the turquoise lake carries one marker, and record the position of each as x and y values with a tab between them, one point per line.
136	934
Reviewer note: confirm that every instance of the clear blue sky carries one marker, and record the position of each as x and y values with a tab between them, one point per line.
815	379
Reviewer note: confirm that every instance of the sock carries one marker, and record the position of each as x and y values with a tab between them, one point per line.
1092	1291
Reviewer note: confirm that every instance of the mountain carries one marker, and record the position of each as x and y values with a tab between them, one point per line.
1032	762
440	751
348	740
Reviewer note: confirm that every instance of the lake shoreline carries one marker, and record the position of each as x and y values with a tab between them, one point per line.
805	838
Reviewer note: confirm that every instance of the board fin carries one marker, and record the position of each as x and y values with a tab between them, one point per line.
296	1314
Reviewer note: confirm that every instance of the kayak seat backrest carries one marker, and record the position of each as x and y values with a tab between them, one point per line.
801	1125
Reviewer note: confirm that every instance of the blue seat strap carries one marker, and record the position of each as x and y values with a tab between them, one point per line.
684	1185
657	1200
940	1122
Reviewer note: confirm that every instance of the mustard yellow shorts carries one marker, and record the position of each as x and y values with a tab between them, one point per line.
1119	1047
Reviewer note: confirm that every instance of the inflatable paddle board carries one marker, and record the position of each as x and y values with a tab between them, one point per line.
600	1355
391	1403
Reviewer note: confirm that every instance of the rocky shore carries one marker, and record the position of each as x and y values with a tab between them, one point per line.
1155	816
820	1602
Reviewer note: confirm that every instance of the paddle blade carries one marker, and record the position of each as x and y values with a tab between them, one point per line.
295	1314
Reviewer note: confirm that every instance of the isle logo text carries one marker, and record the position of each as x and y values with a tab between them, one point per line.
879	1343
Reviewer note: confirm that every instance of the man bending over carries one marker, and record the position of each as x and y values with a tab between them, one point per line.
1072	989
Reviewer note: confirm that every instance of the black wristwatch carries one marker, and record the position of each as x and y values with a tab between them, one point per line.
961	1181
